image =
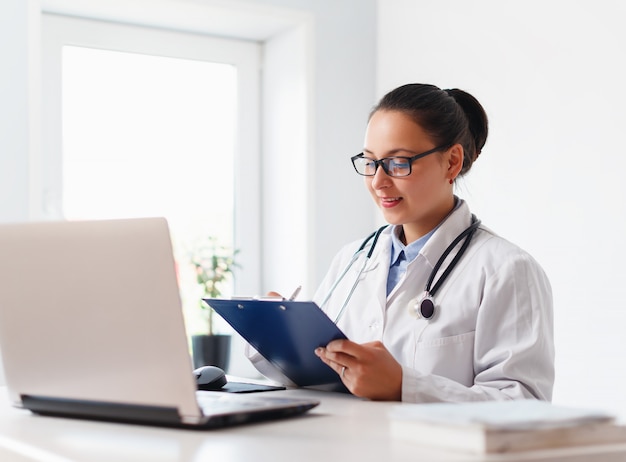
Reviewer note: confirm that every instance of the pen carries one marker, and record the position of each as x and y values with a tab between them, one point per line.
295	293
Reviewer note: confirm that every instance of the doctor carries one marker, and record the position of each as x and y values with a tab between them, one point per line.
443	310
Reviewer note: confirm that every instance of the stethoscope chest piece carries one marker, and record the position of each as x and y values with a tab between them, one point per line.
424	307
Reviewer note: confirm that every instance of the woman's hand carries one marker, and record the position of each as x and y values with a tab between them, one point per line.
368	370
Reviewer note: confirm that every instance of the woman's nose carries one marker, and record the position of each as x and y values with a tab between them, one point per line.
380	178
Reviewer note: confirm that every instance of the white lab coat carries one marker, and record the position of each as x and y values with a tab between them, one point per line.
492	334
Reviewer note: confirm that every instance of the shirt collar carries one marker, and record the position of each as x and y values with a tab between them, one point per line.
410	251
413	249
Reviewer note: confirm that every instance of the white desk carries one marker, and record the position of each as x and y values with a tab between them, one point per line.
342	428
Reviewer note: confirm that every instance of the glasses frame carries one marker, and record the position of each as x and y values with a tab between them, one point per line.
382	162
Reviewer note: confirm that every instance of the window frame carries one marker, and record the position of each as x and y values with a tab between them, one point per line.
59	30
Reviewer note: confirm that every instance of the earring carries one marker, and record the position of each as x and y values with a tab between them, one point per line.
451	180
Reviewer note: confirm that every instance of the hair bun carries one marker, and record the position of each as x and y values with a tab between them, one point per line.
476	117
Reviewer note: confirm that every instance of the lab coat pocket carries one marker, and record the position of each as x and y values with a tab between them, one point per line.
451	357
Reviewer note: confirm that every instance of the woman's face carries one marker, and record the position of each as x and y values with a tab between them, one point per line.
423	199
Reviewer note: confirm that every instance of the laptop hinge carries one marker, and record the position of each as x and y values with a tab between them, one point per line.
100	410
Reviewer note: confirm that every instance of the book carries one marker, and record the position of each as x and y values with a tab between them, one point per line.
503	426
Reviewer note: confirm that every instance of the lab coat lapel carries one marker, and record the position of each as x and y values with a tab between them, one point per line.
454	225
380	268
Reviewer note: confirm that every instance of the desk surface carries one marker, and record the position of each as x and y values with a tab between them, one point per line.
342	428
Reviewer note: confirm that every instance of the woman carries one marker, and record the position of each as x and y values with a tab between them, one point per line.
485	329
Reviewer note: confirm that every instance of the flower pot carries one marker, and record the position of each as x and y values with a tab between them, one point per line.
211	350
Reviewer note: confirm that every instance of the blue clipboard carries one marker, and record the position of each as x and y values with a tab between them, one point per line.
286	333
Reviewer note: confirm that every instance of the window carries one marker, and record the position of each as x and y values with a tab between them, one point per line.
147	122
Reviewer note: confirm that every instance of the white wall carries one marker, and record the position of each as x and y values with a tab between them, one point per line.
550	75
342	61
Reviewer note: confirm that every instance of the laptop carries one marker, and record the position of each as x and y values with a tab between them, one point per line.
91	326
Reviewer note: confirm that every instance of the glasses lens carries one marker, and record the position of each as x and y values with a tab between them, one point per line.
364	166
397	166
393	166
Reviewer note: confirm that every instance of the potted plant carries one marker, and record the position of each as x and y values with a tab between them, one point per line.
213	265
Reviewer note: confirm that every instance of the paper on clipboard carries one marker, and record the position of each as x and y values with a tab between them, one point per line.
286	333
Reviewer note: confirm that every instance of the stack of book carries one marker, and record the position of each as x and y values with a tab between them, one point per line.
503	426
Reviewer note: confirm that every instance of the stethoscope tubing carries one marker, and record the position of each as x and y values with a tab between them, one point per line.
425	307
375	235
466	234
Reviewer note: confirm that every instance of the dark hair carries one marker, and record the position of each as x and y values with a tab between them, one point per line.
448	116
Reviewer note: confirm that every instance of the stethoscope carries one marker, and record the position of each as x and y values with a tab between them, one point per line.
424	306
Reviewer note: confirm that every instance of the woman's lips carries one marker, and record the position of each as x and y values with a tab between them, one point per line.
388	202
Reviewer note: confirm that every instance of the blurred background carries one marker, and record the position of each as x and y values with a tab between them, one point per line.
237	119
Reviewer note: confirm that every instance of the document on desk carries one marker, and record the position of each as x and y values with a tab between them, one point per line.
286	333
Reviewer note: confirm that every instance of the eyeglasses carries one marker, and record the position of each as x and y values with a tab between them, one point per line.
396	166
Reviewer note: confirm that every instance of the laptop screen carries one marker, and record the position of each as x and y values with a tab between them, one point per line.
91	311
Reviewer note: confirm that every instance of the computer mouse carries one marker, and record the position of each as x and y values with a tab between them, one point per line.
210	378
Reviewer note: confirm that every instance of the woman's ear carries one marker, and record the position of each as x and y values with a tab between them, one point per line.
455	160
